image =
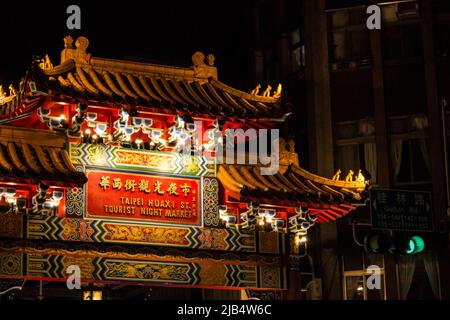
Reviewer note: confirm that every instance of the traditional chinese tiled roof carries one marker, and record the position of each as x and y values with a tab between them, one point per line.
28	155
331	198
16	102
195	90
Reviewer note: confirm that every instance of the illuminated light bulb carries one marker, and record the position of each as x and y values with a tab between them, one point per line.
303	239
54	203
48	204
10	192
182	137
360	288
100	128
261	222
87	132
222	209
156	134
57	195
62	117
261	212
180	121
138	143
11	200
269	220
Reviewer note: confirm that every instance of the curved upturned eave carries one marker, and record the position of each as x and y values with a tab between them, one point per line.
242	94
296	180
355	185
139	70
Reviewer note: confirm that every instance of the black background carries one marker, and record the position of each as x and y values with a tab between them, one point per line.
165	32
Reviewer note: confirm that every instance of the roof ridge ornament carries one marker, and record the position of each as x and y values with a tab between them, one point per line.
78	54
267	92
68	42
201	69
277	93
255	91
46	63
12	91
210	58
2	93
287	152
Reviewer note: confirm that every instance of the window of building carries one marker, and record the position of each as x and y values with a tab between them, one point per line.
271	70
356	274
410	159
395	12
297	51
349	34
442	37
355	148
402	41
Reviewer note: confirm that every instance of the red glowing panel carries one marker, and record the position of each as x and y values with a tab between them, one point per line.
152	198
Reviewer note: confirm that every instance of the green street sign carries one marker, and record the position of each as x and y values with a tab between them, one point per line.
401	210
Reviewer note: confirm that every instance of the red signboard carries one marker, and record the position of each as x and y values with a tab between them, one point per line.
129	196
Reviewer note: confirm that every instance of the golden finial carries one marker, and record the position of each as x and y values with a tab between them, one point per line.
12	91
210	58
21	84
277	93
256	90
68	42
198	59
360	177
349	176
46	64
337	175
81	44
266	92
202	69
2	92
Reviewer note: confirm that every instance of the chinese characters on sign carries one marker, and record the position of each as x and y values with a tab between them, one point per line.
401	210
112	194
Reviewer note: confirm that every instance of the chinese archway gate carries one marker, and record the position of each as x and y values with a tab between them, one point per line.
93	175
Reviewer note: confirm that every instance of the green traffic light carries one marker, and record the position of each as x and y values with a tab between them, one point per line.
420	244
411	247
381	243
415	245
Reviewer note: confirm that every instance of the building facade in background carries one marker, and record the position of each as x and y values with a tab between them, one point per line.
373	99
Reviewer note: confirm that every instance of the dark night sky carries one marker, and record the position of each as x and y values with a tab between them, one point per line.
166	32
